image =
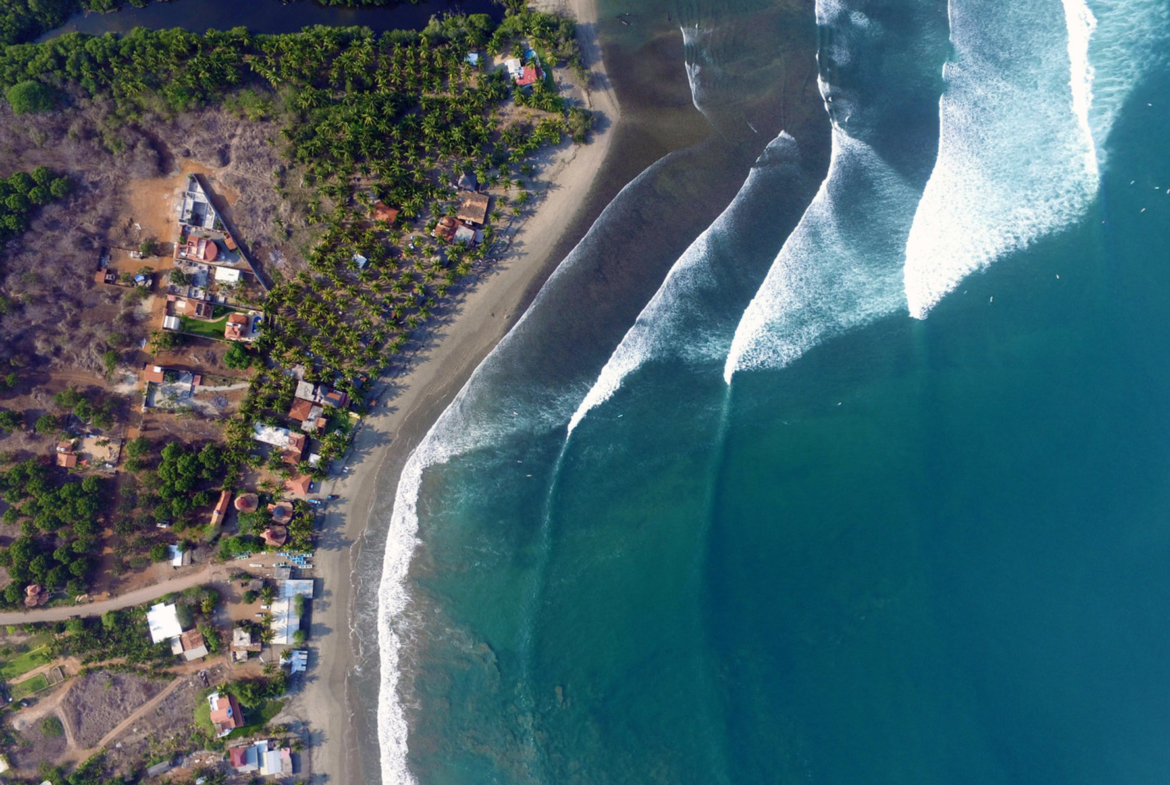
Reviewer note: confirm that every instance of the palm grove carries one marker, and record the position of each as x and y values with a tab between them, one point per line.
367	118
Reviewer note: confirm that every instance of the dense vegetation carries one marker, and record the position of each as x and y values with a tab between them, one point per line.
58	518
22	193
367	119
25	20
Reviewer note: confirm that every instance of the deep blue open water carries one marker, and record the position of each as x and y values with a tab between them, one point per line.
860	473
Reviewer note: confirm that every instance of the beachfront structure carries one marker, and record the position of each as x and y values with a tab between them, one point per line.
285	621
225	713
301	485
262	757
473	208
289	589
297	661
308	414
321	394
293	444
163	620
271	435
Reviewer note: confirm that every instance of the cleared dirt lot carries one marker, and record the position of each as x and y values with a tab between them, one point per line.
100	700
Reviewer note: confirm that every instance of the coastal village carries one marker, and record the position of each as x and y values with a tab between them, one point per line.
168	632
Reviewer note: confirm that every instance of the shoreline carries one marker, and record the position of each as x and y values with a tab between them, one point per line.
387	436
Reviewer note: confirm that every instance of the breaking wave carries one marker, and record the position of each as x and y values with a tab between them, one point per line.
1023	123
684	318
840	268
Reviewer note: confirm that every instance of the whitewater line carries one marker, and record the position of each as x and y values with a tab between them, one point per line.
1017	146
684	318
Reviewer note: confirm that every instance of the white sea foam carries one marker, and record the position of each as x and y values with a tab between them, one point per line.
486	411
679	321
1023	125
840	268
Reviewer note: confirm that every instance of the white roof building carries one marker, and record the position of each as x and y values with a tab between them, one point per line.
227	275
285	621
270	434
164	622
289	589
298	661
171	323
515	67
178	558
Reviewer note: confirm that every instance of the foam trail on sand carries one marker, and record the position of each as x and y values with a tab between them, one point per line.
684	319
1023	123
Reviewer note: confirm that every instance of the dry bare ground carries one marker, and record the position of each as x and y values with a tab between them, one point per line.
64	317
99	700
34	746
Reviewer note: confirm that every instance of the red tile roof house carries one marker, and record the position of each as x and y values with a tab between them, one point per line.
225	713
237	326
529	76
295	449
299	486
300	409
385	213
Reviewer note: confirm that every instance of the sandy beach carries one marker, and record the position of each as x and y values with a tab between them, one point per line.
400	421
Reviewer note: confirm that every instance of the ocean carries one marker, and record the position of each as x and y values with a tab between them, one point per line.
838	449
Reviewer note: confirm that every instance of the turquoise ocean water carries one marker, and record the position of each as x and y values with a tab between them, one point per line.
860	474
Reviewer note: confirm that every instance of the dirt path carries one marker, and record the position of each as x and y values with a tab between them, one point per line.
212	572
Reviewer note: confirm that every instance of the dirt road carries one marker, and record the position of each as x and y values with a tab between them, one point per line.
208	574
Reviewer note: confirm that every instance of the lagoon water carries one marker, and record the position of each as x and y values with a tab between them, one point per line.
856	471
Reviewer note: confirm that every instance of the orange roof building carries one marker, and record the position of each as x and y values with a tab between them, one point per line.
66	460
384	213
225	713
247	502
301	410
295	449
237	325
528	76
275	535
221	508
299	485
153	373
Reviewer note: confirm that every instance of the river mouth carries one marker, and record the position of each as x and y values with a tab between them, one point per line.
267	16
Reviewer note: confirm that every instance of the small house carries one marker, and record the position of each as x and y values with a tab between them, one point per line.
237	327
194	646
225	713
221	508
300	485
163	621
385	213
473	208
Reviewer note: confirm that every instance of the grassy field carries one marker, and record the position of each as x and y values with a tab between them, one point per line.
29	686
213	329
257	717
24	661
